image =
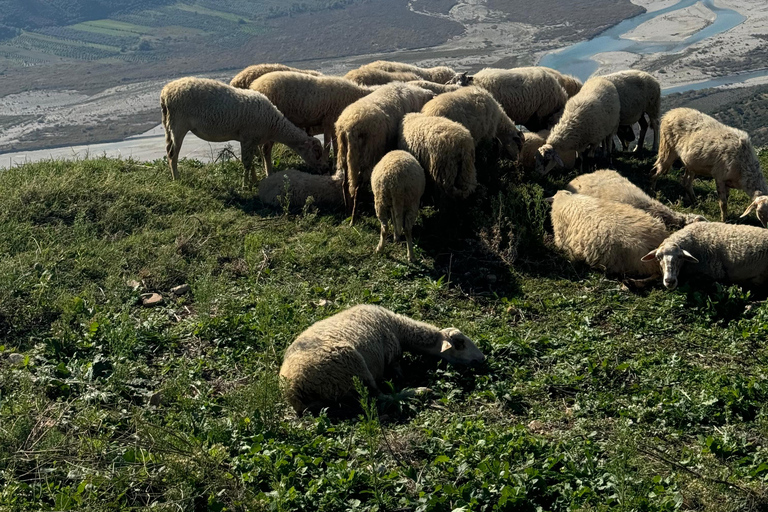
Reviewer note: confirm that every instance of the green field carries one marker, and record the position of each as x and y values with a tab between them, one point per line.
594	397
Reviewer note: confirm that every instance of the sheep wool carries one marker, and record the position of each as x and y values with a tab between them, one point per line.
294	188
530	151
571	84
639	94
434	87
369	76
439	74
245	78
364	341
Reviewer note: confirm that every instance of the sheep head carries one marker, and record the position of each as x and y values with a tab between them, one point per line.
670	258
511	140
690	218
458	349
760	205
311	150
461	79
547	158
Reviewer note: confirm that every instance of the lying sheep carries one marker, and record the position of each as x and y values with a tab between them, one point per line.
246	77
439	74
217	112
309	101
368	76
709	148
639	94
434	87
530	152
481	114
364	341
367	129
398	183
446	151
608	184
531	96
294	188
605	234
723	252
590	118
571	84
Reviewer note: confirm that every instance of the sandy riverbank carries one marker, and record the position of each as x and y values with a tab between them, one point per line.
674	26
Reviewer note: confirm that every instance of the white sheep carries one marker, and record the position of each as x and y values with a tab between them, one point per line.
217	112
309	101
723	252
294	188
709	148
605	234
640	95
367	129
571	84
478	111
530	152
398	183
366	342
446	151
434	87
439	74
245	78
369	76
531	96
608	184
589	119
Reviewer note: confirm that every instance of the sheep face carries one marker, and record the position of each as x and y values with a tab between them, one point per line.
512	143
691	218
461	79
671	259
760	205
458	349
312	153
546	159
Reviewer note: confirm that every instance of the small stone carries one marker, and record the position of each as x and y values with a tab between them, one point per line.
151	299
180	290
16	358
133	284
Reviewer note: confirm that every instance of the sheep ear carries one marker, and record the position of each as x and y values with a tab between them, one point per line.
559	160
446	346
650	256
549	200
688	256
750	208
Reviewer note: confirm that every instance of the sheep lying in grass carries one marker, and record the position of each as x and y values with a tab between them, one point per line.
439	74
293	188
398	183
309	101
364	341
434	87
590	118
605	234
367	129
709	148
531	96
608	184
217	112
723	252
481	114
245	78
369	76
446	151
571	84
530	152
639	94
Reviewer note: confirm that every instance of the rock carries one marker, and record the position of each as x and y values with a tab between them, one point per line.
16	358
151	299
180	290
133	284
322	303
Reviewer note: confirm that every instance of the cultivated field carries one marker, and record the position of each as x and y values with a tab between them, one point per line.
594	397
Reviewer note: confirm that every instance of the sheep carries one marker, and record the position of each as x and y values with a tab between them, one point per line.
367	129
709	148
294	188
366	342
606	234
531	145
446	151
608	184
531	96
309	101
571	84
217	112
481	114
590	118
245	78
434	87
639	94
439	74
368	76
398	183
724	252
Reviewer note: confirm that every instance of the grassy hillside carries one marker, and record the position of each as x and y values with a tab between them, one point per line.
593	398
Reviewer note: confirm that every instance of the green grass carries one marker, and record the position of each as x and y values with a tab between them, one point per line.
67	42
113	28
594	397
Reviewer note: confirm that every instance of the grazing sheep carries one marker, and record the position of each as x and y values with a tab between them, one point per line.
369	76
363	341
367	129
723	252
434	87
639	94
608	184
531	96
530	151
571	84
309	101
446	151
245	78
590	118
605	234
294	188
481	114
217	112
398	183
709	148
439	74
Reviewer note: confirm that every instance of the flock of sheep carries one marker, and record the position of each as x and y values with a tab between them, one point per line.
404	132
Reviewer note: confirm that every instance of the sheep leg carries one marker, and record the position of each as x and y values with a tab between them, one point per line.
384	235
655	127
408	222
174	140
643	133
354	206
266	153
248	154
666	157
687	182
722	197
